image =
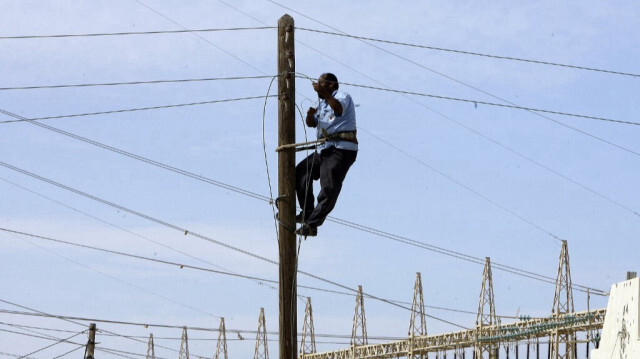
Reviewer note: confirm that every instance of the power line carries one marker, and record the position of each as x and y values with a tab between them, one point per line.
26	327
476	102
133	109
56	343
150	82
80	346
124	282
33	336
35	312
470	53
174	264
459	255
170	326
114	225
142	159
121	353
129	33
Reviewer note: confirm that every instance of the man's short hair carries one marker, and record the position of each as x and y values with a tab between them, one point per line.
328	76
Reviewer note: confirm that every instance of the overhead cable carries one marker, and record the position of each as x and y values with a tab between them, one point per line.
150	82
56	343
140	158
129	33
25	327
122	281
461	256
476	102
35	312
80	346
174	326
470	53
133	109
114	225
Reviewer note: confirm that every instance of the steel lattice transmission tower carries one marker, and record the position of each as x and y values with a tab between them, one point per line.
184	345
486	315
562	341
151	352
308	342
221	349
359	322
262	350
418	323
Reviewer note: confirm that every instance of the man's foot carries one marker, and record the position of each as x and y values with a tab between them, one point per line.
307	231
300	219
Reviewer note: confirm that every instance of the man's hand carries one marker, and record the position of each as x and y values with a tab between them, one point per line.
311	121
323	91
326	93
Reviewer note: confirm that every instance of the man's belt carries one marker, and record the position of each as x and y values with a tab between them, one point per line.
349	136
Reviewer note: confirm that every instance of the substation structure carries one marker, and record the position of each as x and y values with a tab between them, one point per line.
488	335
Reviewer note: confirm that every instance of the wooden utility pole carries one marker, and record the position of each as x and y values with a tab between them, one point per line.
91	344
287	189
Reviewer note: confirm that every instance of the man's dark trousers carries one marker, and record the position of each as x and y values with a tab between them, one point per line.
330	166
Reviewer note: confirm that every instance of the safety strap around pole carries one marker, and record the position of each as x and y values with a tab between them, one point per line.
296	145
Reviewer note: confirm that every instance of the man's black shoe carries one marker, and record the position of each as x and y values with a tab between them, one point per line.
307	231
300	219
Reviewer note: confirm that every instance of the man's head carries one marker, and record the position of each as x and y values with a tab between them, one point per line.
328	82
330	79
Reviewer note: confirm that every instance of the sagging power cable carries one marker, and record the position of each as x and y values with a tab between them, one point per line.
539	62
131	109
129	33
129	83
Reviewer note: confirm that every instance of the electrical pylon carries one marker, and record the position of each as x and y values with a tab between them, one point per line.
151	352
359	322
221	349
562	341
417	327
486	315
308	342
262	351
417	310
184	345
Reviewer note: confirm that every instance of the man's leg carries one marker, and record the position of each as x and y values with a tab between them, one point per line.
307	171
333	169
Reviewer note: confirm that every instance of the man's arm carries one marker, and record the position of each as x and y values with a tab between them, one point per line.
336	106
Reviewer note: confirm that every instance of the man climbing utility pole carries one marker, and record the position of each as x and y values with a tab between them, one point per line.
335	120
287	189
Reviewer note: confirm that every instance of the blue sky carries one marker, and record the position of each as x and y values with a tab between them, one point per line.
481	180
